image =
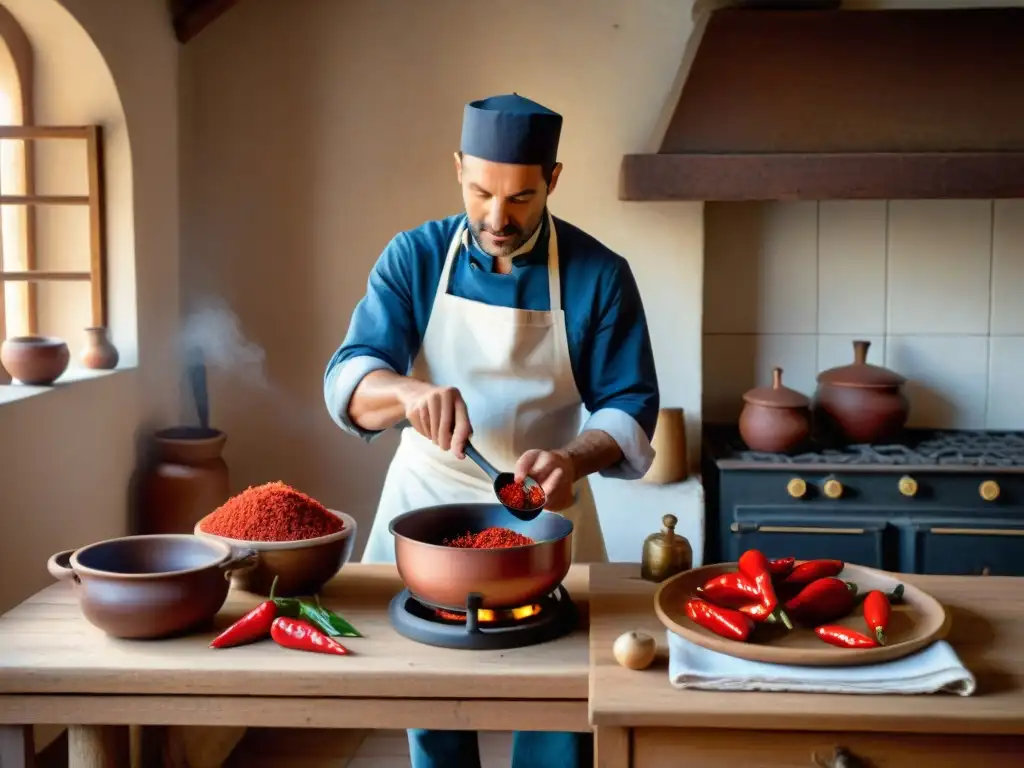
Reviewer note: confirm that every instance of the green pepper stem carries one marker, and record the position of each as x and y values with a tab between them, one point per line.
273	586
782	616
880	634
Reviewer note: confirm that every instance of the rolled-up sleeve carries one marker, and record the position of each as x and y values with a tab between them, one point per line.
382	335
620	385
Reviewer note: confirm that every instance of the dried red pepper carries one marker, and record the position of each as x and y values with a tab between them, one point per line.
844	637
876	614
302	636
754	566
490	538
730	590
518	496
722	621
255	625
812	570
781	567
823	600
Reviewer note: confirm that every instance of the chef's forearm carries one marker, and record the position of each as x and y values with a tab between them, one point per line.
593	450
379	400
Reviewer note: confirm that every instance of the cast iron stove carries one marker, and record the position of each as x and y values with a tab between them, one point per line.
481	629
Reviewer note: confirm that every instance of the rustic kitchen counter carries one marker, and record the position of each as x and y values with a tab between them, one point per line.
640	720
56	668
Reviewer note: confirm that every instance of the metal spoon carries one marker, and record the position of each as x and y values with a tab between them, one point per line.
500	480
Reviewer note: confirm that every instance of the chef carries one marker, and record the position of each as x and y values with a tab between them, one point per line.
500	323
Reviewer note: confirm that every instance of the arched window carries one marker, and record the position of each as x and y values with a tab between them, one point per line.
17	222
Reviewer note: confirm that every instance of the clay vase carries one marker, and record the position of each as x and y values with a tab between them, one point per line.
775	419
861	402
35	360
99	353
669	443
187	481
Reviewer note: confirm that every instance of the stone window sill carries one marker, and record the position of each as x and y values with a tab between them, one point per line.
12	393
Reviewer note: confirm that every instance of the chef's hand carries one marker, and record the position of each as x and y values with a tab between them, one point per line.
439	414
554	471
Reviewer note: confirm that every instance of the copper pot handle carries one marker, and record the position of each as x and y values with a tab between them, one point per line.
59	566
240	560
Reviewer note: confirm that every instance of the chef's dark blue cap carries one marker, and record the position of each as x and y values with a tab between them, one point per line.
511	129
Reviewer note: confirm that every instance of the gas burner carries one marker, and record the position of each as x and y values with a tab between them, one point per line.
481	629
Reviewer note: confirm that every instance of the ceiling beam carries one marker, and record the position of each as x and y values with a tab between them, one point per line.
190	17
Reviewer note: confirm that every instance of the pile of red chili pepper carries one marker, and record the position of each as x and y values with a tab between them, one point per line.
272	512
490	538
733	604
291	623
519	496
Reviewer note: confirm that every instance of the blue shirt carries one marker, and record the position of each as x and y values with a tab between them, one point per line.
609	343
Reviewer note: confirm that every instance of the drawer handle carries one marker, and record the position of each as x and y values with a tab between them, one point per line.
735	528
841	758
978	531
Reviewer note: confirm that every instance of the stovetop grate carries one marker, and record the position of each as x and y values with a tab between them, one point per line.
413	619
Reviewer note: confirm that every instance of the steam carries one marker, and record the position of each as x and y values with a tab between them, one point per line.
212	335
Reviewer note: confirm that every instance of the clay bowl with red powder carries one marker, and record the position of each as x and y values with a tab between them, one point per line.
302	566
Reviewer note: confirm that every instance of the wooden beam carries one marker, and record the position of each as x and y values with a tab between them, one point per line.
191	17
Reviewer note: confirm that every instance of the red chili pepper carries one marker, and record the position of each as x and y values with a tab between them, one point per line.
844	637
255	625
812	570
303	636
722	621
781	567
823	600
758	613
754	566
876	614
730	590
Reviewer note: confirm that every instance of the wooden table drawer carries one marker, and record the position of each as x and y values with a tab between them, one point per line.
673	747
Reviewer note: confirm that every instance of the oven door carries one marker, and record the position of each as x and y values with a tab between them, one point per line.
980	547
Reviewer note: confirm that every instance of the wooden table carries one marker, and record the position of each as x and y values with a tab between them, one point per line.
640	720
55	668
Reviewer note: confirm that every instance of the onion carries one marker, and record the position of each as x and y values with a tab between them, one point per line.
635	650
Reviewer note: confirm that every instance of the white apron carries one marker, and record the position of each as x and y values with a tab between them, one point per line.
513	369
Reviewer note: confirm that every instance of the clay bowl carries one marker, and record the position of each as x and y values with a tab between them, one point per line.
147	587
301	567
35	360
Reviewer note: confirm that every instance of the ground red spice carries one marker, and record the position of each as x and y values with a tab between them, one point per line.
490	538
518	496
272	512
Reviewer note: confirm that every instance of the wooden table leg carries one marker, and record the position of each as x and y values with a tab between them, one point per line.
611	747
98	746
17	748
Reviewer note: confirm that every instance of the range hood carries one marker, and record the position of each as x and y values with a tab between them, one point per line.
845	104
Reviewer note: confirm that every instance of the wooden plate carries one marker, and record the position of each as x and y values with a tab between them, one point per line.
915	623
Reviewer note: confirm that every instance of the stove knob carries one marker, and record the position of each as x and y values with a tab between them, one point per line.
908	486
989	490
833	488
797	488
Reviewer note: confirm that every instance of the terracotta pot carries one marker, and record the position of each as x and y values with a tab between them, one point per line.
669	443
150	586
35	360
775	419
188	480
861	402
99	353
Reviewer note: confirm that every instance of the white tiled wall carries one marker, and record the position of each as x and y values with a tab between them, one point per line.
936	286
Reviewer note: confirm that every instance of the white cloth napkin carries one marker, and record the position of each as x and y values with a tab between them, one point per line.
936	668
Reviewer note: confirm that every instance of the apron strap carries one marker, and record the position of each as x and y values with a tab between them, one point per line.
460	239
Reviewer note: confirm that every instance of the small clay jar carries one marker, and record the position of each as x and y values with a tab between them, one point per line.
861	402
99	353
775	419
35	360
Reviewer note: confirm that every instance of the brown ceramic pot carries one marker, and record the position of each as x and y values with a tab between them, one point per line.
35	360
99	353
188	480
775	419
860	402
150	586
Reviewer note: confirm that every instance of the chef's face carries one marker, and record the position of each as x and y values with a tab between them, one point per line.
504	202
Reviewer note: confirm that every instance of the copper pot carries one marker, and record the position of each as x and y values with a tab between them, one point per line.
444	576
861	402
150	586
775	419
